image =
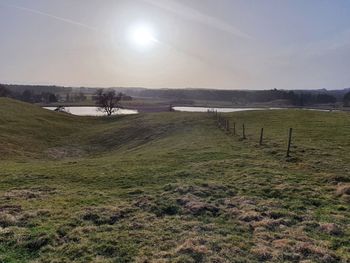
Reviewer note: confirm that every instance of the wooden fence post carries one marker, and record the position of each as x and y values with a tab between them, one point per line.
244	137
261	136
289	141
234	128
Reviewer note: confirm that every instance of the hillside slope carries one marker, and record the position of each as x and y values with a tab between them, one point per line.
173	187
29	131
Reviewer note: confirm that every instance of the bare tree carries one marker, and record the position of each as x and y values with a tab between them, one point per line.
107	101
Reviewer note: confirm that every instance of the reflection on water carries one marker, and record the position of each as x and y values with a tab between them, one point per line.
92	111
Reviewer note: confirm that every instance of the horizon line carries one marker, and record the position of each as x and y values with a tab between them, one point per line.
169	88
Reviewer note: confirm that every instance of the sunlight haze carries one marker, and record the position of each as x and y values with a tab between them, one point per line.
222	44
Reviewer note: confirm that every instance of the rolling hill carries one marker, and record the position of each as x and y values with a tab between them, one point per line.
173	187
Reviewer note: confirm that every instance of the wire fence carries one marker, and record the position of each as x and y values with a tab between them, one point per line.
232	128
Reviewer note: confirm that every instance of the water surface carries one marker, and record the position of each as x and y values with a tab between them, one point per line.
205	109
92	111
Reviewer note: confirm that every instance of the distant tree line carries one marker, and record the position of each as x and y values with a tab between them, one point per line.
4	92
297	98
346	99
28	95
75	97
38	88
41	94
304	99
48	94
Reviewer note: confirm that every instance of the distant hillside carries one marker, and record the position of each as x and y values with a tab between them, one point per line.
239	97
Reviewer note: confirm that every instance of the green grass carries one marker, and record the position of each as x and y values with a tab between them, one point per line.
173	187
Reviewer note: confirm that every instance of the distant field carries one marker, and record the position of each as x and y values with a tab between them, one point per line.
173	187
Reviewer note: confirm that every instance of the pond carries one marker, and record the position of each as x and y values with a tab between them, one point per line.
205	109
92	111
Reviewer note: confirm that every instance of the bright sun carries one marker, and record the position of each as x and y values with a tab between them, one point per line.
142	36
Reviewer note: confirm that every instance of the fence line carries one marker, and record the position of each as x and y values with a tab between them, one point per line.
224	123
261	136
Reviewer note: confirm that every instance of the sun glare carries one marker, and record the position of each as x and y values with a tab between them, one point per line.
142	36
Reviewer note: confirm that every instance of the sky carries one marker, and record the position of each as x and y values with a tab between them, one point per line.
221	44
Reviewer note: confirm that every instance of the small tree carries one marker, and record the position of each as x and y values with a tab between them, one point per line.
107	101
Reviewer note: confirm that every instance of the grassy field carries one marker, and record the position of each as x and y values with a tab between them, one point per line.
173	187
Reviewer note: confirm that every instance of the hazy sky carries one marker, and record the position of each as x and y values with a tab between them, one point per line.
230	44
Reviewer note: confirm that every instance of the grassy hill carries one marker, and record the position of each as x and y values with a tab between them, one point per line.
173	187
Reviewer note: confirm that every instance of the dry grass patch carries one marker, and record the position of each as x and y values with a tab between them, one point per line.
195	247
308	249
262	252
9	215
267	223
107	215
31	193
195	206
331	229
250	216
343	189
7	220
